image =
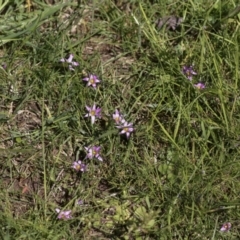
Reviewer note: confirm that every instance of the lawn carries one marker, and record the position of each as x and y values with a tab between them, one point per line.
119	119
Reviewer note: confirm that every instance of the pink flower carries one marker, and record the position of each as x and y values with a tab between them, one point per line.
70	61
127	128
226	227
199	85
93	112
117	117
188	72
92	80
79	166
65	215
93	152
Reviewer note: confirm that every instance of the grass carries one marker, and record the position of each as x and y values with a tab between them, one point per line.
177	175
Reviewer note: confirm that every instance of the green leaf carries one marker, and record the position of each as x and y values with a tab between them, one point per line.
141	212
150	224
18	139
3	117
31	22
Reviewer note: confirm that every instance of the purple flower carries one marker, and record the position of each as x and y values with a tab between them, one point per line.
93	152
93	112
70	61
92	80
79	166
117	117
200	85
189	72
65	215
127	128
226	227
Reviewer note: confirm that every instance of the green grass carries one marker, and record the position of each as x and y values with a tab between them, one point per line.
176	177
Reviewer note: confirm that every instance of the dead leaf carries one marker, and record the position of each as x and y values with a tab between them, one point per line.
171	22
